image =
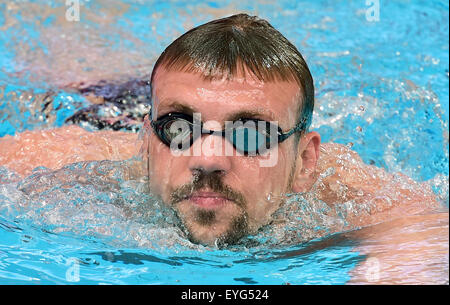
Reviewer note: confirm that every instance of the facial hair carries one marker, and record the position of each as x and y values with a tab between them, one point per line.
238	226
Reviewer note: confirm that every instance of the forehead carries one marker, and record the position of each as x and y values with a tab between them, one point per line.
218	98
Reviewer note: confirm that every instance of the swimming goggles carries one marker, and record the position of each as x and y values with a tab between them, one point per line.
248	136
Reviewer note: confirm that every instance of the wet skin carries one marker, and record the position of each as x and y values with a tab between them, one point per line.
259	189
231	195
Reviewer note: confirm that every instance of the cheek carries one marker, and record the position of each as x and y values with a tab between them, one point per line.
263	180
263	187
166	171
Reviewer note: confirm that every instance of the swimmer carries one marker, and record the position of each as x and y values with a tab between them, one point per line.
234	70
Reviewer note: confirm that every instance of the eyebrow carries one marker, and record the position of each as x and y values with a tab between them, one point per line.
246	114
243	114
179	107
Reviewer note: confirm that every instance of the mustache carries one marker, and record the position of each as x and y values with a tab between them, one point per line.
212	181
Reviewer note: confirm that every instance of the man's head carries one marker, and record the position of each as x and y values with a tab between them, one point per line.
232	69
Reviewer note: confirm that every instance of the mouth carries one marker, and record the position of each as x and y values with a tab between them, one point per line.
208	200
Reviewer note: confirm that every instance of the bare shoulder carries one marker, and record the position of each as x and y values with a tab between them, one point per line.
344	177
53	148
338	163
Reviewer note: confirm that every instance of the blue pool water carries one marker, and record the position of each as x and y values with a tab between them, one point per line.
381	87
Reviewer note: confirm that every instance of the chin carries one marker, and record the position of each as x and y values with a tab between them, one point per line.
206	237
213	227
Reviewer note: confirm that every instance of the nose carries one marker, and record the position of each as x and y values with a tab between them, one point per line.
211	158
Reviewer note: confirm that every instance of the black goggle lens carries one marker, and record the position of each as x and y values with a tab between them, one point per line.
249	137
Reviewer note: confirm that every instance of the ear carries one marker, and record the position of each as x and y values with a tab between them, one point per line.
305	167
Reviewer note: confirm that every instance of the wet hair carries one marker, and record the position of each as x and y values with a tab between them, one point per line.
220	47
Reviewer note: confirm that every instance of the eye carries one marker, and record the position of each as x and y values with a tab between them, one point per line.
177	128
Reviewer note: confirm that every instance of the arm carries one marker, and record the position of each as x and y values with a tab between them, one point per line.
57	147
403	239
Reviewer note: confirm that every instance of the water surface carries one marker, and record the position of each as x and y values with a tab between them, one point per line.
381	88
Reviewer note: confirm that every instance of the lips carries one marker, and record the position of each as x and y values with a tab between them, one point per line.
208	200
